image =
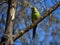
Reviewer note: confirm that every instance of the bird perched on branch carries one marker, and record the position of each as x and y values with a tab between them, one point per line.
35	16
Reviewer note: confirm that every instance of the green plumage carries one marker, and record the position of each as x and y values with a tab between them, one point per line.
35	16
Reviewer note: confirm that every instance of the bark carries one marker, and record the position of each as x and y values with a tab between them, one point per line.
7	39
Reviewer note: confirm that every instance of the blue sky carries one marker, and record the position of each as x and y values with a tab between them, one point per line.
41	32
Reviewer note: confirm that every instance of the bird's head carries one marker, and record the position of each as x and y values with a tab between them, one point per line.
33	8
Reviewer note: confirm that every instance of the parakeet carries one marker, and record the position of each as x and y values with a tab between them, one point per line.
34	17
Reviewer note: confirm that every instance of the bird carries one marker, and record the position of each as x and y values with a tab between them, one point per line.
34	17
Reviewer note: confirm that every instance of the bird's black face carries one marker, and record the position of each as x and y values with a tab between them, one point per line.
32	8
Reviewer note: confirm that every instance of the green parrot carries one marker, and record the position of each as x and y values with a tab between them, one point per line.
34	17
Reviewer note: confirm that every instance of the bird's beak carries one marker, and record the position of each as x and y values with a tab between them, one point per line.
32	8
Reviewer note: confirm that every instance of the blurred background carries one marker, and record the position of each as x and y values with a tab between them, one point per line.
47	31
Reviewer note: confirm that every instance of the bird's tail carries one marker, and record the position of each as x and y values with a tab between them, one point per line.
34	31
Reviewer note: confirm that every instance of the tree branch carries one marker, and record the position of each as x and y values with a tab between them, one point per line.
47	13
3	1
9	22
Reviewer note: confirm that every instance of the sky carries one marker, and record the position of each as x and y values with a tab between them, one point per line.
41	32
